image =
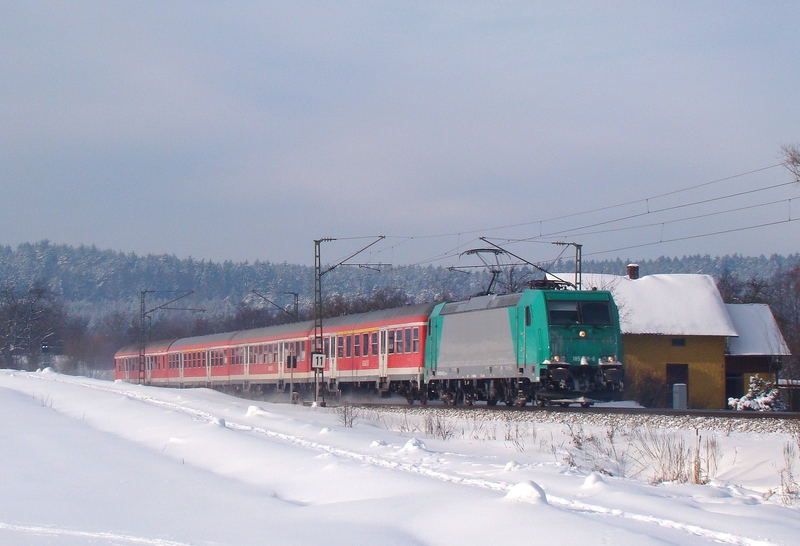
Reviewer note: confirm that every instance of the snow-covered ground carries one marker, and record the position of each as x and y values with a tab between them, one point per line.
86	461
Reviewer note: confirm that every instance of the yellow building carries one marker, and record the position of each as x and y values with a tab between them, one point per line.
675	330
660	361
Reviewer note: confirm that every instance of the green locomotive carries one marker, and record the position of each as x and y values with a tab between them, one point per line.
544	346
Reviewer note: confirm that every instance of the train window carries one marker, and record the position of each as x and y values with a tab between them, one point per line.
374	343
398	342
527	315
416	339
340	347
408	340
366	344
563	312
357	346
326	347
348	346
391	342
596	313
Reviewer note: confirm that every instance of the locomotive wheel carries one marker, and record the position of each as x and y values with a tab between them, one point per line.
492	402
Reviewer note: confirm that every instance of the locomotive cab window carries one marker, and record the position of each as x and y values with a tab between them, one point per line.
593	313
596	313
563	312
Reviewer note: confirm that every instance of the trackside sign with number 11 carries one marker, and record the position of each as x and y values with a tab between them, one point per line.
317	361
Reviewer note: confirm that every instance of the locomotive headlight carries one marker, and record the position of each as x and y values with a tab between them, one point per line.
582	333
611	359
557	358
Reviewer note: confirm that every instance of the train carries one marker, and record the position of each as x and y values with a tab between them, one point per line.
539	346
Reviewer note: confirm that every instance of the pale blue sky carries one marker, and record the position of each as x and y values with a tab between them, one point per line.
245	130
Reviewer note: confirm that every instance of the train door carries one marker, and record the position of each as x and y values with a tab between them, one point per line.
383	367
329	347
282	360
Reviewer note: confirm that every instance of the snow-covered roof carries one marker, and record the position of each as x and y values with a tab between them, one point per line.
758	332
673	305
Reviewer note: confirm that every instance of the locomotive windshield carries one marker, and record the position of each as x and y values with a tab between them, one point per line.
592	313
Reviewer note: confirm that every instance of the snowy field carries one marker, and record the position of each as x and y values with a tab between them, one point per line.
85	461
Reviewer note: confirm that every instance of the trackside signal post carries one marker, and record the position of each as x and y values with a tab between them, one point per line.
318	352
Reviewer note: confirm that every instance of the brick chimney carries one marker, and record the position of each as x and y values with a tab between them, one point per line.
633	271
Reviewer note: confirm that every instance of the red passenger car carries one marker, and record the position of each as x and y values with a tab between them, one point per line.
383	350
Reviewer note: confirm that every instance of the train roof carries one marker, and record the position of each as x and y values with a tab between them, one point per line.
295	328
160	345
492	301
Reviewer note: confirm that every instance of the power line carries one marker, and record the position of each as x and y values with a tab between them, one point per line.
645	200
661	210
653	224
688	237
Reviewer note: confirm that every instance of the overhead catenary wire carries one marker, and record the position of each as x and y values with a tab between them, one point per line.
644	200
652	224
586	229
697	236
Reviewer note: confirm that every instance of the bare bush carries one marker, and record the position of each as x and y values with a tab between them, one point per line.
482	429
440	427
664	453
596	453
347	415
706	458
789	490
515	435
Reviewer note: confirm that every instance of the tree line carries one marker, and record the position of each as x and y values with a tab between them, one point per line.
39	326
37	330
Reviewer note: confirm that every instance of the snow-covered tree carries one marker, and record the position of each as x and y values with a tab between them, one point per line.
761	396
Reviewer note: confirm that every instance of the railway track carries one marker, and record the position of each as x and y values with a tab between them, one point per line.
580	410
722	421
